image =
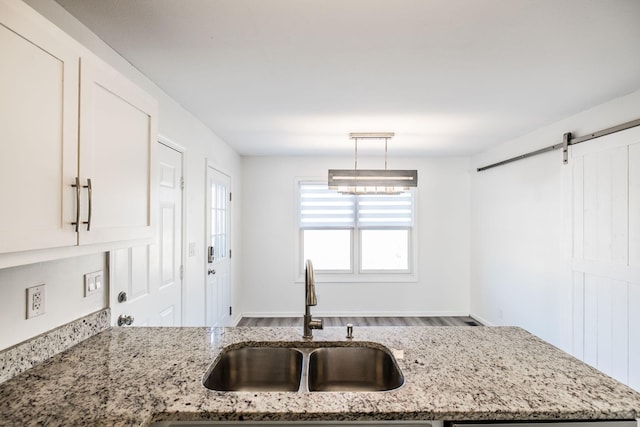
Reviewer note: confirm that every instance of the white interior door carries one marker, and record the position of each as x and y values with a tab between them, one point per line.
218	281
150	275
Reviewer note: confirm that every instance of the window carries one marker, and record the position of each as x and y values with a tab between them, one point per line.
359	236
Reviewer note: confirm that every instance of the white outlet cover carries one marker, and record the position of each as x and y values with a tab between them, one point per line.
36	301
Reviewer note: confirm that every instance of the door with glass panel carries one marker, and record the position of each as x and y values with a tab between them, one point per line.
218	253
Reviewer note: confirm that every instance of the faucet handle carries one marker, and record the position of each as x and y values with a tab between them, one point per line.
316	324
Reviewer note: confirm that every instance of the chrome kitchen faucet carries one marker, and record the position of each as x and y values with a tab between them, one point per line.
309	300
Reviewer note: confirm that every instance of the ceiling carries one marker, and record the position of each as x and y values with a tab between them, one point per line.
449	77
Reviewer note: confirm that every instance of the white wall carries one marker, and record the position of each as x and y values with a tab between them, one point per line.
181	127
64	296
269	238
521	228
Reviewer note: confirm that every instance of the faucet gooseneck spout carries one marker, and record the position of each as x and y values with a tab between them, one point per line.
309	299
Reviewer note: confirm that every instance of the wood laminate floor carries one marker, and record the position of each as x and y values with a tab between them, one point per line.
363	321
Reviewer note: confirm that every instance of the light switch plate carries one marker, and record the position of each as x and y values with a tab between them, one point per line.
92	283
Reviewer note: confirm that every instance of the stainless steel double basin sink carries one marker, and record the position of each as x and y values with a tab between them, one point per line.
272	368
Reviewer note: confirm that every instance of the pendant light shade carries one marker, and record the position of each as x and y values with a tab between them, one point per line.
372	181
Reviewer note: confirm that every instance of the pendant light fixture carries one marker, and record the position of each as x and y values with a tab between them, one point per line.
372	181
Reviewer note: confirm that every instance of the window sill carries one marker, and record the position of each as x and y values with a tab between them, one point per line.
362	278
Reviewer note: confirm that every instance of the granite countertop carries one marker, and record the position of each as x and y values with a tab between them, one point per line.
134	376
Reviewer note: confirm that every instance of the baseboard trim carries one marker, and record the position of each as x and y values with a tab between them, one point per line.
480	319
360	314
236	319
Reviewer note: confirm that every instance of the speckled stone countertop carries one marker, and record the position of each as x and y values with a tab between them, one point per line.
134	376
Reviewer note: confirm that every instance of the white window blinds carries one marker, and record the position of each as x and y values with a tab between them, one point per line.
385	210
324	208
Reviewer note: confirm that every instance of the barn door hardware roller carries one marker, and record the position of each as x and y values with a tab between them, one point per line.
567	140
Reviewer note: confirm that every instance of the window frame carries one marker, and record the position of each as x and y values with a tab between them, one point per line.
356	274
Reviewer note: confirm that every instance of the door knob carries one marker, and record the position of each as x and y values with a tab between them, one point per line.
122	297
211	271
125	320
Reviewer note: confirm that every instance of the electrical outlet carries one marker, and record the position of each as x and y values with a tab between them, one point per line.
35	301
92	283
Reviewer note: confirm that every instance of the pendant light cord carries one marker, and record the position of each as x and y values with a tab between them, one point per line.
356	156
385	153
356	153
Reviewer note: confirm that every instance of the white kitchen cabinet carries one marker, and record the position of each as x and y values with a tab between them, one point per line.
68	117
117	145
38	131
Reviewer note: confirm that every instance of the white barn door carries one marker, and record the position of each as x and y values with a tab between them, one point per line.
606	254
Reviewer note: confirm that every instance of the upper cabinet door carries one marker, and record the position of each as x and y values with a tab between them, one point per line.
117	146
38	131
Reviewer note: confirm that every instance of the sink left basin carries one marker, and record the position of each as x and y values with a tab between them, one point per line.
256	369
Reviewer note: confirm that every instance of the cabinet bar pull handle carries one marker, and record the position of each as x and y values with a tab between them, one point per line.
90	192
77	187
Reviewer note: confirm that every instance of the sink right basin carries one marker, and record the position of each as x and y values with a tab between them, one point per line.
353	369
